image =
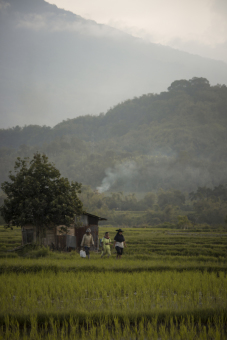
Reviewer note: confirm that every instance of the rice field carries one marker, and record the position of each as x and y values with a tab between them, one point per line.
160	289
9	239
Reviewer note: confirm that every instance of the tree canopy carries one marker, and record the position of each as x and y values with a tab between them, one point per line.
38	195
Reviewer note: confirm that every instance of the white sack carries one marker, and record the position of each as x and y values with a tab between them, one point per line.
82	253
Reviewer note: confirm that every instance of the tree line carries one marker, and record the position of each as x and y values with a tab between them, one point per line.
37	194
204	206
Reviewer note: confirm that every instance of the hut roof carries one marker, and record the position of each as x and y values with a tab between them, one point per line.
99	218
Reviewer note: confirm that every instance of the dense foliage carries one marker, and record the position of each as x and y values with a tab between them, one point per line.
37	194
176	139
173	142
174	207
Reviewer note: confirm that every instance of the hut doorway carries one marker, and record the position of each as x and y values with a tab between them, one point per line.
27	236
66	242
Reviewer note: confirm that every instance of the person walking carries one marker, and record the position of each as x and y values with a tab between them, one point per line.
119	243
87	242
106	243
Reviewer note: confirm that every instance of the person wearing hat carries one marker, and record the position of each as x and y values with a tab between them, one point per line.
119	243
87	242
106	242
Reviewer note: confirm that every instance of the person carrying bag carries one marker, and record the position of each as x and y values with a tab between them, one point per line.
87	242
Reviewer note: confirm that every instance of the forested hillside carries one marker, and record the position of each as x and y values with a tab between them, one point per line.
168	148
175	139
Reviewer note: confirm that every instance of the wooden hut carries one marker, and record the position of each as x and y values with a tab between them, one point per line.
58	238
87	221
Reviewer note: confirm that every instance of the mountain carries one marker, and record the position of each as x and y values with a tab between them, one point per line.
176	139
56	65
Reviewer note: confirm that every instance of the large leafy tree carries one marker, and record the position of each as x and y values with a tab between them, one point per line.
38	195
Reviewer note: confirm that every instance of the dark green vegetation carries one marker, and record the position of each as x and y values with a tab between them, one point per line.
171	208
37	195
176	139
161	147
150	293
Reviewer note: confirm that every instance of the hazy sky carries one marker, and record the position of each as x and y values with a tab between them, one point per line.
195	26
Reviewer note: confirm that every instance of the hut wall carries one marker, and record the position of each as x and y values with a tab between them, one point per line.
50	238
65	241
83	220
70	230
79	232
61	241
95	234
28	234
92	220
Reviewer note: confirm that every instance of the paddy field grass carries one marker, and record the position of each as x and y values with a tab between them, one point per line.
169	284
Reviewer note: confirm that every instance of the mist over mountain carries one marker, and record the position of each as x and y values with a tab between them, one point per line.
176	139
56	65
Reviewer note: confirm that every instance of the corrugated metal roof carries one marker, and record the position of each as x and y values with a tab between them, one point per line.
91	215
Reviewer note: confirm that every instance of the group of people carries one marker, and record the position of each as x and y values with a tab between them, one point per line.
119	243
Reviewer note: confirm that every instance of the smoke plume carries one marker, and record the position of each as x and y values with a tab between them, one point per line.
123	172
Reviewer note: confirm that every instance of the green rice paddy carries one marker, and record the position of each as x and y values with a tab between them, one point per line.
169	284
